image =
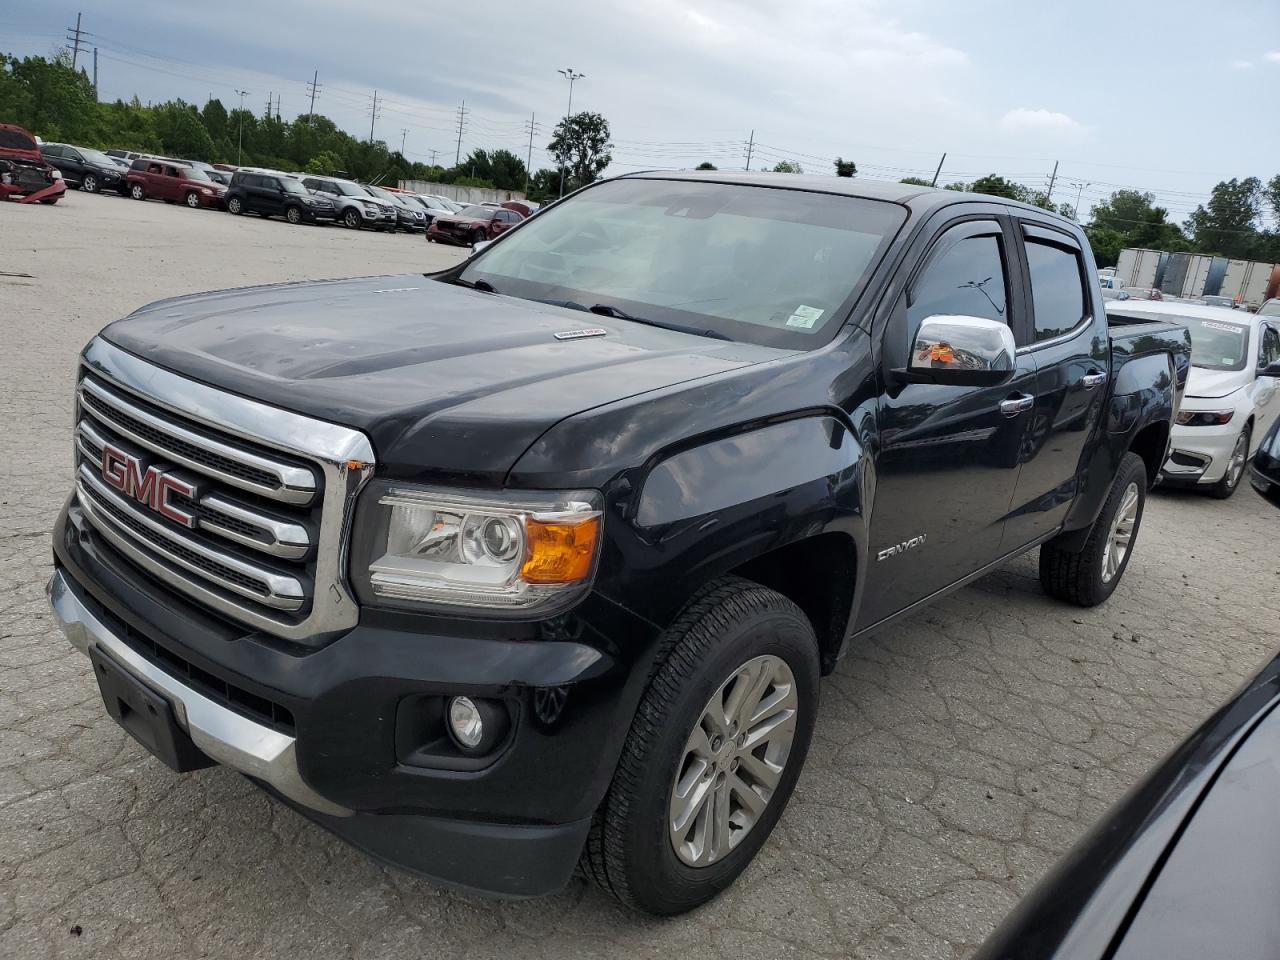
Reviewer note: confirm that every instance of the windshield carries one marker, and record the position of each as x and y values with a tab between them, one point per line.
351	190
292	186
383	194
96	156
477	212
1216	344
768	266
1270	309
194	173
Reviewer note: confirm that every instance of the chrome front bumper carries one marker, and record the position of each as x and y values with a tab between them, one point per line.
224	735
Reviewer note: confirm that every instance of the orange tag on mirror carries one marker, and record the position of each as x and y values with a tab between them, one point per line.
942	353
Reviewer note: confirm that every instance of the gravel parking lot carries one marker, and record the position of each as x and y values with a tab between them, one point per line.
956	757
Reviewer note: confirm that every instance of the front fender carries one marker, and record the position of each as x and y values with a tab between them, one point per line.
703	510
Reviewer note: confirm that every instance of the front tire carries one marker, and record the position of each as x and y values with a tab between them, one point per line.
352	219
192	199
137	192
90	183
713	753
293	215
1090	576
1230	481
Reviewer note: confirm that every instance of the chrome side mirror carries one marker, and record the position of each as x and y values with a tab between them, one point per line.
479	245
963	351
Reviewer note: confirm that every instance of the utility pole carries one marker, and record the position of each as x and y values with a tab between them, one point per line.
937	173
278	96
1079	197
240	134
751	146
74	36
572	77
1048	194
373	115
95	73
270	101
462	119
313	88
404	132
528	162
433	157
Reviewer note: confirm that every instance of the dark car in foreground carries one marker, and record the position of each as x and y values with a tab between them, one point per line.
90	170
271	194
1185	867
25	176
540	558
472	225
1264	470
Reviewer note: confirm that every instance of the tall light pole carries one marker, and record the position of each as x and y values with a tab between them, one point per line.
240	134
569	75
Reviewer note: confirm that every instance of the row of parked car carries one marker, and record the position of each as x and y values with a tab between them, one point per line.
295	197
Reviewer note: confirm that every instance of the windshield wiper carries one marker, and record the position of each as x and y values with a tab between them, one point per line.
484	286
609	310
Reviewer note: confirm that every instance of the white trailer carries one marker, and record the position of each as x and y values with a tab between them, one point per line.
1137	267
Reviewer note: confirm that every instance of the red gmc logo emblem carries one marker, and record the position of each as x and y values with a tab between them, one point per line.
148	485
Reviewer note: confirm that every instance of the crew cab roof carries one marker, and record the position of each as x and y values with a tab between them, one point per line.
920	199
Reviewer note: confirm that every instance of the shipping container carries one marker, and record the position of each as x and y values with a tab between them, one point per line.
1195	275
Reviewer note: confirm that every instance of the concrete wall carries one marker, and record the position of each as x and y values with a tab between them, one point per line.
460	194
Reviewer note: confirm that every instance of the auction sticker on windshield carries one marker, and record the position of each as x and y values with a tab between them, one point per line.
804	317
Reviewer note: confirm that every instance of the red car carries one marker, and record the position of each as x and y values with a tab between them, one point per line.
472	225
172	182
25	175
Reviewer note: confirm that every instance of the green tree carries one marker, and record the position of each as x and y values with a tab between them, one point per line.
846	168
324	163
994	185
181	132
1271	196
787	166
214	116
544	186
1228	225
580	146
916	182
1134	216
706	165
1107	243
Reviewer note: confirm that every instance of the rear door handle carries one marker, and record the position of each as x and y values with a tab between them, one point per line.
1091	380
1016	404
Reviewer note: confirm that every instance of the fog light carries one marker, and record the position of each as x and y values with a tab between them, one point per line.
465	723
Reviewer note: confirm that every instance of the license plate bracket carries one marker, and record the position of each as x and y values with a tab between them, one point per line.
146	714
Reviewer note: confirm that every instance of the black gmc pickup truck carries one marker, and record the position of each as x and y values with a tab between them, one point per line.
538	560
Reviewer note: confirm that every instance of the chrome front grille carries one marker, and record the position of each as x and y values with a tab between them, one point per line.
253	523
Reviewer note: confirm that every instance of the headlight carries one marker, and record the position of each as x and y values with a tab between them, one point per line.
206	191
1204	418
523	553
56	174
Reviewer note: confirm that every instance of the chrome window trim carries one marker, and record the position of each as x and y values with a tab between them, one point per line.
345	457
1071	334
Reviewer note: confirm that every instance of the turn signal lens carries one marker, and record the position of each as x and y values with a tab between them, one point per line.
560	551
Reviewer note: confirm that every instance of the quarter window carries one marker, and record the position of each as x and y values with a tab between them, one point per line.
1270	351
1057	290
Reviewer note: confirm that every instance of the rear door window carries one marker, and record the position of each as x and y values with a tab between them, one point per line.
1057	287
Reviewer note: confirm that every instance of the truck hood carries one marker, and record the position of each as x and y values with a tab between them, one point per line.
448	383
1214	383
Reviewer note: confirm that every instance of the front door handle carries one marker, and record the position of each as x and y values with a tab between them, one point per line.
1016	404
1091	380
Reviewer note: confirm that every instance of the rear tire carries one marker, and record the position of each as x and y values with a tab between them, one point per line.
137	192
1230	481
1089	577
477	236
652	844
235	205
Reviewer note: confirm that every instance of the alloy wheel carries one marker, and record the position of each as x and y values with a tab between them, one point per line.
89	184
193	201
1121	533
1239	456
733	761
136	191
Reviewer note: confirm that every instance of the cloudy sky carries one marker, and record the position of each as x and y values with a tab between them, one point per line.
1167	95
